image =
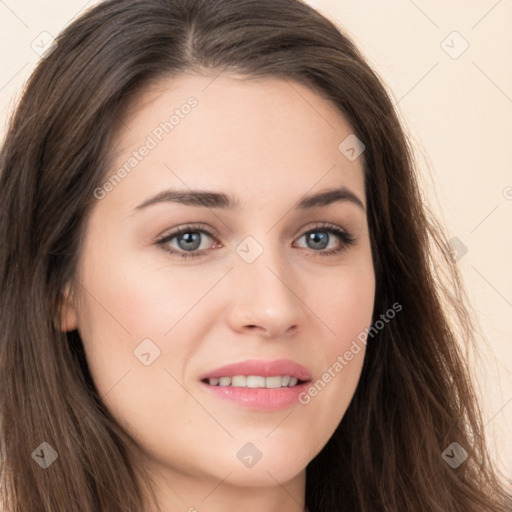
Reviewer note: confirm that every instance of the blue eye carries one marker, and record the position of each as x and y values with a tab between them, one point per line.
187	240
319	237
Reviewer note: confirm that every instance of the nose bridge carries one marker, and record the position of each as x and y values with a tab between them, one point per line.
261	263
265	295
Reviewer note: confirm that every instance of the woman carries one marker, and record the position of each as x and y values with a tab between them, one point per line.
217	278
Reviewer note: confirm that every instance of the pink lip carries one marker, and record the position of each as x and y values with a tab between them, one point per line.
262	368
260	399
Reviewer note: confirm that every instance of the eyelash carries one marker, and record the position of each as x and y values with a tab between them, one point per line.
347	239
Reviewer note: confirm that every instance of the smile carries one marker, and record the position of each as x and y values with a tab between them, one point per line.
254	381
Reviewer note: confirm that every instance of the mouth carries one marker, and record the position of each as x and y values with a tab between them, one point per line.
255	381
258	385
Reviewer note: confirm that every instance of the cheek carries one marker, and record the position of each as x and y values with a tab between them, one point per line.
137	299
126	306
344	303
345	307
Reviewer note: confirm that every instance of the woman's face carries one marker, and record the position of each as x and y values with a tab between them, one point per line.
265	279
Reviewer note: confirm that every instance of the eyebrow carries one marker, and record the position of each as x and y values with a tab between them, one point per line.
210	199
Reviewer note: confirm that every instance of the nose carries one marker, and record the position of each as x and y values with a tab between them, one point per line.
266	296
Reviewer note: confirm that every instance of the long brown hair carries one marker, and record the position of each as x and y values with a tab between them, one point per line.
415	395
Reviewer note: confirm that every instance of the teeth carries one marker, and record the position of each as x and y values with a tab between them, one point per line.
273	382
254	381
239	381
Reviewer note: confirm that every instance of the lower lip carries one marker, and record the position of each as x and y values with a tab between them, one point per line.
260	399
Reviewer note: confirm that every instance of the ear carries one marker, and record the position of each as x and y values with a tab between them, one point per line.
68	320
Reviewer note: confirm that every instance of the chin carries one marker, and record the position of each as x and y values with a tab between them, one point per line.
262	475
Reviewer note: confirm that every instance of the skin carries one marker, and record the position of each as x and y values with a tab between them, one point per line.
267	142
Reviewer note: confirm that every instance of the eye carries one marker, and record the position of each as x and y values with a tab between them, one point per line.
321	236
189	241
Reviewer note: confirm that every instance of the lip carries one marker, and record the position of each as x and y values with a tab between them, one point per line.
261	368
260	399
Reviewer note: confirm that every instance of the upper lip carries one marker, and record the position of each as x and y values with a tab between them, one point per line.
261	368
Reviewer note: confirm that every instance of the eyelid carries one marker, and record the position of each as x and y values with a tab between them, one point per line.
186	228
322	225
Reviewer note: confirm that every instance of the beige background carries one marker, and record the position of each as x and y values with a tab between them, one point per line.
456	103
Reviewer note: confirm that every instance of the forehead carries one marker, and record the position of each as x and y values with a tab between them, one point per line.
233	132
